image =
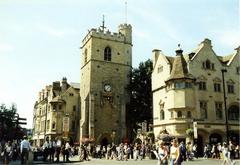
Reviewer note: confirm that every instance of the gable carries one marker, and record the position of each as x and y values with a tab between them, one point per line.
205	52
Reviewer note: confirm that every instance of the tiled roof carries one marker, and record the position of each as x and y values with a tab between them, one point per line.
225	59
179	68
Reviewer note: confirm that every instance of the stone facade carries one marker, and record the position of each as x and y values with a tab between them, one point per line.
105	68
189	88
56	113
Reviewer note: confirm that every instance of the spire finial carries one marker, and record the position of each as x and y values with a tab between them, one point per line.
179	50
103	24
179	46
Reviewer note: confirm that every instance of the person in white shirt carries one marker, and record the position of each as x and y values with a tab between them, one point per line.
58	148
46	149
67	150
24	149
52	146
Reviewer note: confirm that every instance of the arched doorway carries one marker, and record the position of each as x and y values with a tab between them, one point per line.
199	142
215	138
104	142
234	136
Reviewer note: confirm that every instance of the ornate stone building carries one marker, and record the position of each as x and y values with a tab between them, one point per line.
106	65
197	87
56	113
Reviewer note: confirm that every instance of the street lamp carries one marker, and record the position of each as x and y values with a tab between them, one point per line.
225	104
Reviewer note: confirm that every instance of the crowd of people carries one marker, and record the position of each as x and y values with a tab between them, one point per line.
173	153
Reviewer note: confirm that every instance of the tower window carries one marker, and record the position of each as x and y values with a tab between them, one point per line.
107	54
85	56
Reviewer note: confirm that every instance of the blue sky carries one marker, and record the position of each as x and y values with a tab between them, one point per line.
40	39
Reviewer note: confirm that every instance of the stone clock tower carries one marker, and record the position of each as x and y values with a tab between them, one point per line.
105	69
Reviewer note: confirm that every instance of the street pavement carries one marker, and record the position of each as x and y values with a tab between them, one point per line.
75	160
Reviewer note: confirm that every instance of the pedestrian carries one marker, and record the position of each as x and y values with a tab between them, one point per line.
58	148
67	150
8	152
52	146
195	153
46	149
175	154
162	154
25	147
225	152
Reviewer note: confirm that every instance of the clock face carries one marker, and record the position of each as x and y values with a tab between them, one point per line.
107	88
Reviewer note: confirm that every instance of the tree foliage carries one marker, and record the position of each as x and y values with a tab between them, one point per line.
140	107
7	121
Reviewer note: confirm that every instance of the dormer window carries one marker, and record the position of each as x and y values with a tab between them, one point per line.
208	65
107	54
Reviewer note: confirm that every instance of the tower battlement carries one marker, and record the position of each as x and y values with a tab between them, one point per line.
124	34
99	33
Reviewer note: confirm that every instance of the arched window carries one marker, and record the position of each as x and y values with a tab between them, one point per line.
162	116
233	113
107	54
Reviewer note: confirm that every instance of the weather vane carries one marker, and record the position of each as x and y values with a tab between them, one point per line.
103	24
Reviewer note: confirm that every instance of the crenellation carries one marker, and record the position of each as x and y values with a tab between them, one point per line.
99	33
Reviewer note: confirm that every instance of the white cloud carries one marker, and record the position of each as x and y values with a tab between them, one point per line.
4	47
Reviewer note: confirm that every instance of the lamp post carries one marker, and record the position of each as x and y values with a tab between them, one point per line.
225	104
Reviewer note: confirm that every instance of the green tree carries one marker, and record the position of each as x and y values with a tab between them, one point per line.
140	107
7	121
